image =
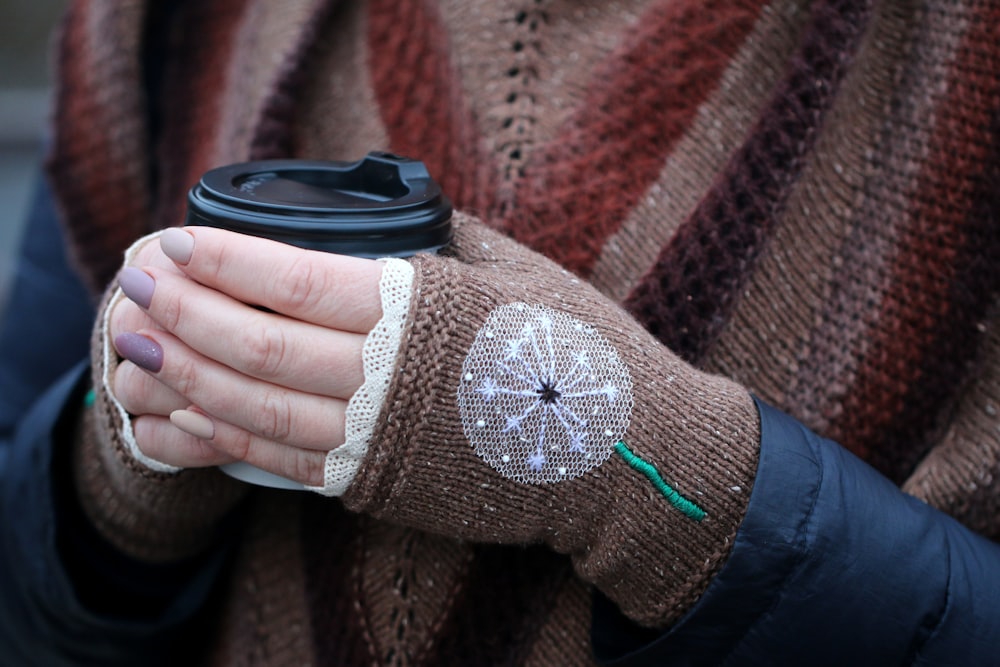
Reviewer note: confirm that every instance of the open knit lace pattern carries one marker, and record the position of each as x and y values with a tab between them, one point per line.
544	397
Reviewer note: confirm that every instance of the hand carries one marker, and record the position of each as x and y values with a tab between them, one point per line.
526	407
269	388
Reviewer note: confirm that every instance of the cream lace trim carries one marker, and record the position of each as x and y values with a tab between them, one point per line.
379	360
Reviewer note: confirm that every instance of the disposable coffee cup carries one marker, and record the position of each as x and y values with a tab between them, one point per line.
383	205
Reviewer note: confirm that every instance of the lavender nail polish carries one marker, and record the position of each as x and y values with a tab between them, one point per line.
141	351
137	285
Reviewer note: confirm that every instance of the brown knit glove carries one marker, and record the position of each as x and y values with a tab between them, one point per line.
526	407
147	510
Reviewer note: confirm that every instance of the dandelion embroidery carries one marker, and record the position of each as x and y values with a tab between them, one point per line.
544	397
488	389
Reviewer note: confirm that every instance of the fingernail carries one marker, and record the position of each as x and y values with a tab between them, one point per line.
193	423
177	244
141	351
137	285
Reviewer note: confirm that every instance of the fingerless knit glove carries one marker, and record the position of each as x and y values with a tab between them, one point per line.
525	407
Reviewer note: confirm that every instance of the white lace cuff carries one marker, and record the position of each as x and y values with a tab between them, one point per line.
379	359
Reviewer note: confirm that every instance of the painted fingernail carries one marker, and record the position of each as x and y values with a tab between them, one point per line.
177	244
137	285
193	423
141	351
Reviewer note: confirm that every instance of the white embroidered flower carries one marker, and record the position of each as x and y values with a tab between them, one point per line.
543	397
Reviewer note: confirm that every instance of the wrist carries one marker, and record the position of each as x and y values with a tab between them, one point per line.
674	491
646	553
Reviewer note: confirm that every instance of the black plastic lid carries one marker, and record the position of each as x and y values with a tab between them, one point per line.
381	206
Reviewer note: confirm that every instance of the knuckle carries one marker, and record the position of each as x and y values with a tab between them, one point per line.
185	379
239	444
169	312
126	389
146	253
273	419
126	316
264	348
301	286
208	261
305	468
145	439
153	437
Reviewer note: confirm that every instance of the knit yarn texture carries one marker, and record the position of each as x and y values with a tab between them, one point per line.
800	196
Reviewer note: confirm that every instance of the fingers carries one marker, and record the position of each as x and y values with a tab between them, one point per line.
127	316
166	440
270	411
160	440
262	345
191	439
148	253
141	394
271	387
333	291
302	465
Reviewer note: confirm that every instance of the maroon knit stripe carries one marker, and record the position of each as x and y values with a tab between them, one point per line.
579	190
102	207
690	292
274	133
495	621
945	276
192	90
421	100
331	549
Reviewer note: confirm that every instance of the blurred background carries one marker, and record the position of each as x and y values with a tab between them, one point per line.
25	85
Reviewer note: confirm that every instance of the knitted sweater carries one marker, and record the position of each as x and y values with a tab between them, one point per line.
796	196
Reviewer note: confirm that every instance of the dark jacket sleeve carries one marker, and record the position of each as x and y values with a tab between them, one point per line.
834	565
45	328
49	559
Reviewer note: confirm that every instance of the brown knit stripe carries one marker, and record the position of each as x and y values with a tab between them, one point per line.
579	191
408	583
718	129
961	476
332	550
255	97
525	67
564	635
192	90
97	164
274	133
339	93
844	325
769	342
277	581
263	618
687	297
946	273
510	591
422	103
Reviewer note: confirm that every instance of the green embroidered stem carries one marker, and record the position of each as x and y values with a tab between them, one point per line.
89	399
686	507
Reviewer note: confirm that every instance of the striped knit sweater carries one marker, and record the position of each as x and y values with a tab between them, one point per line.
801	196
